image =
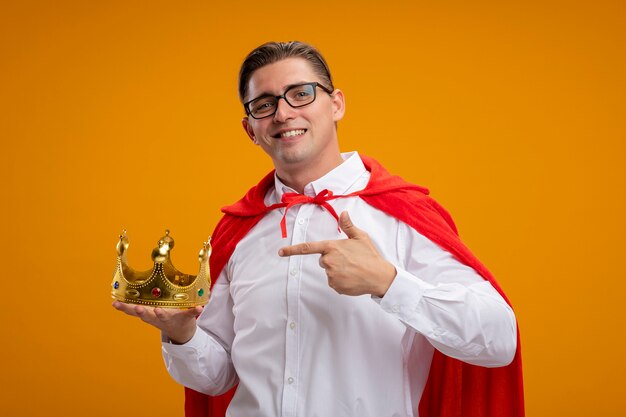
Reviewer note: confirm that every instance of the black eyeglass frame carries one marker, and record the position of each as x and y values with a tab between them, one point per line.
314	84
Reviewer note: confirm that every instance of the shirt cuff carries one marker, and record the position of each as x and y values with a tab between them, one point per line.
197	342
403	295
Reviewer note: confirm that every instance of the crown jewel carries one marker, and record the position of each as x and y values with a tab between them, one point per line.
163	285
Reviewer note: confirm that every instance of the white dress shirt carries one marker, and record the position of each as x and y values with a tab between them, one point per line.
298	348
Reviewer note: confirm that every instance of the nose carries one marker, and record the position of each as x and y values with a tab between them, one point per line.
284	111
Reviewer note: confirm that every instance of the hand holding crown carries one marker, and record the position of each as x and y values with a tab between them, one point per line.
178	325
143	293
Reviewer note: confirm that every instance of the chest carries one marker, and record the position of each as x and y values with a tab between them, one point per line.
271	286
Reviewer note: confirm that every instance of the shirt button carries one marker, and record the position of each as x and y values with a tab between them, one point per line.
292	325
395	308
301	221
290	380
294	272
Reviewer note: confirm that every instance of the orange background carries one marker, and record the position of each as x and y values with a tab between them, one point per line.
124	114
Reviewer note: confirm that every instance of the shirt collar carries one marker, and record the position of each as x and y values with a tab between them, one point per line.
339	180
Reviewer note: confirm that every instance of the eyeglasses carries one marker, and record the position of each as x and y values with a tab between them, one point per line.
296	96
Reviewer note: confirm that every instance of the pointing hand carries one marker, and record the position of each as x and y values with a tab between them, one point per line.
353	265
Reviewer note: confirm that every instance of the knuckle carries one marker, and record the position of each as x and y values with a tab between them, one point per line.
334	286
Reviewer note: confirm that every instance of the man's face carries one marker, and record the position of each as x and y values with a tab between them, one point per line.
303	138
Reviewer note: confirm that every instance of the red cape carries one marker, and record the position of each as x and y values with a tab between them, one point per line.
453	388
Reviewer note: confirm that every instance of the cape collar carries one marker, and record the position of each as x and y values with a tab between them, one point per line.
339	181
380	182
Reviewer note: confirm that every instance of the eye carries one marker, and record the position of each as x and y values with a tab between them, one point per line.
262	106
301	93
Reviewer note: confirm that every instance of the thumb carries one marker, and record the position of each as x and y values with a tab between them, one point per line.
346	225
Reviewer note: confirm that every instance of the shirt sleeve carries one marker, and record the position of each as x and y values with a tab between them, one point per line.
458	311
204	363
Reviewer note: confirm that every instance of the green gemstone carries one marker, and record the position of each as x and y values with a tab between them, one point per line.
201	292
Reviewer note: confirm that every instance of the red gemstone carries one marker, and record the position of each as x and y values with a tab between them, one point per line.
156	292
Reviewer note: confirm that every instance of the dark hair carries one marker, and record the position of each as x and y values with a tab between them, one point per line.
271	52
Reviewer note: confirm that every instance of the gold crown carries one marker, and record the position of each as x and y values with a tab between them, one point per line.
163	285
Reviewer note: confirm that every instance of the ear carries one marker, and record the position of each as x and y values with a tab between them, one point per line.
249	131
339	105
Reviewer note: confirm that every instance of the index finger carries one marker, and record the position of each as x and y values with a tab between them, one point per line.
306	248
129	309
164	313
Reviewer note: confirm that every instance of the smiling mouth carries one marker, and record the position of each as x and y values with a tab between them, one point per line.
290	133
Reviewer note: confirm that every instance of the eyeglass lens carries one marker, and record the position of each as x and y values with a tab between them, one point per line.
296	96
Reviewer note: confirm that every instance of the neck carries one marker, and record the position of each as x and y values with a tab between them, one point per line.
297	177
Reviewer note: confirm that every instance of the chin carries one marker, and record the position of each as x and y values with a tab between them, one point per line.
293	156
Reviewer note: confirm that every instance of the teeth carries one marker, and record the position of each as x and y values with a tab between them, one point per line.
292	133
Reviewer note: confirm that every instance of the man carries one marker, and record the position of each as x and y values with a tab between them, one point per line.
340	290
